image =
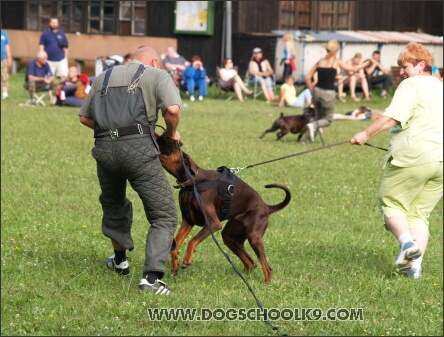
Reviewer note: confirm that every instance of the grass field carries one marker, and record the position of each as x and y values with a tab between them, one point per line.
328	248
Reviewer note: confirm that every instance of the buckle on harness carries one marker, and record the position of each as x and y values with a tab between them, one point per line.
139	127
114	133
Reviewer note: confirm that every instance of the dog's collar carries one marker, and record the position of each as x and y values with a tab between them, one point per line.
185	183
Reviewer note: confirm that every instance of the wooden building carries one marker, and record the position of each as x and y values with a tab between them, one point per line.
105	24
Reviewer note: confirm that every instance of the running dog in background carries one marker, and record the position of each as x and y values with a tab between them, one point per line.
295	124
223	196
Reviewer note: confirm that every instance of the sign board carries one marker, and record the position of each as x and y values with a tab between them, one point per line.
194	17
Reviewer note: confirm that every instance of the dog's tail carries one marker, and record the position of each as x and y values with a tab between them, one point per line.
274	208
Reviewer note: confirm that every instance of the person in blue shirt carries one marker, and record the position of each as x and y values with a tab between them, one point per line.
6	62
55	43
39	77
195	75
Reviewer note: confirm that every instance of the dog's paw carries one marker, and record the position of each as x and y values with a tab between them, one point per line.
185	265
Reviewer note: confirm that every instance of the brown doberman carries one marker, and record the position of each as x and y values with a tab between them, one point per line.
223	196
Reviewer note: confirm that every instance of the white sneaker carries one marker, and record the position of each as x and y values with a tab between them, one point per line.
201	98
159	287
192	99
122	269
409	251
414	273
4	95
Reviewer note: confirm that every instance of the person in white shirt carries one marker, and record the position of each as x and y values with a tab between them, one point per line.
230	79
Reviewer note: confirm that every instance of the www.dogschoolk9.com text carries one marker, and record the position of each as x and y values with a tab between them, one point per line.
255	314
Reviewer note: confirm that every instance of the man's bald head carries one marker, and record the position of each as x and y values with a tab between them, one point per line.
148	56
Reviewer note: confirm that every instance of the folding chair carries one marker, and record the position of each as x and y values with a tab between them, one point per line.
223	91
38	99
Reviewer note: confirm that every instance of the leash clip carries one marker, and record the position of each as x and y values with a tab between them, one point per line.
237	169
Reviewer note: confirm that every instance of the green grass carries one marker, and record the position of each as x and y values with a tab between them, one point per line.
328	248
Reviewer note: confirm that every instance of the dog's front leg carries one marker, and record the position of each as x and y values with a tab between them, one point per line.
280	134
301	133
194	242
183	232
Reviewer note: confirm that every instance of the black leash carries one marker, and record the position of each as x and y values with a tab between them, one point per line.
376	147
237	169
197	195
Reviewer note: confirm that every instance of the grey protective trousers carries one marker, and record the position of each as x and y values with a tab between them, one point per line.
135	159
324	102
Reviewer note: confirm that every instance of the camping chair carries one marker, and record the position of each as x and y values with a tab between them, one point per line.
257	90
38	99
39	92
223	90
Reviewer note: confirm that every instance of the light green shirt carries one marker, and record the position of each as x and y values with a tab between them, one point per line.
418	107
290	93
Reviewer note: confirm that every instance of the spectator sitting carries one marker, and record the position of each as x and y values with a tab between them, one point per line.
196	75
175	64
230	79
353	78
376	73
74	91
261	71
40	78
288	95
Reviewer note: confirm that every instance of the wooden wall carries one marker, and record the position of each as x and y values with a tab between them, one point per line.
400	16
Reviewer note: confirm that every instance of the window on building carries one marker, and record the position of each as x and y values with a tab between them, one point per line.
101	17
38	14
70	16
95	17
317	15
132	18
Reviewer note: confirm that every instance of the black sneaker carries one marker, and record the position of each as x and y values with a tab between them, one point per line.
159	287
122	268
